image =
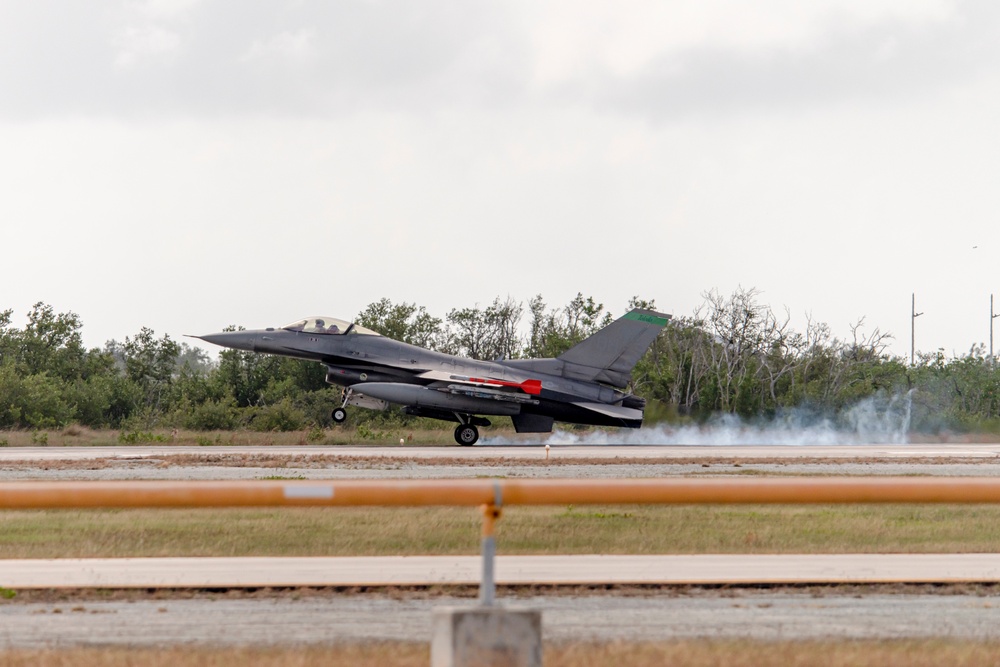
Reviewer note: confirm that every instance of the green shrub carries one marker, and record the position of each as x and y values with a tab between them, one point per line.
282	416
32	401
212	416
366	433
137	437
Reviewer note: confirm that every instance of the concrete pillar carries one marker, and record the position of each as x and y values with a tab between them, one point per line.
486	637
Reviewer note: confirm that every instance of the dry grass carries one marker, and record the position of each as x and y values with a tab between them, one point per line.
81	436
522	530
740	653
684	653
347	655
237	532
76	435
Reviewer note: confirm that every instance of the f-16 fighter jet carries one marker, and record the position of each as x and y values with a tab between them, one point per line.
584	385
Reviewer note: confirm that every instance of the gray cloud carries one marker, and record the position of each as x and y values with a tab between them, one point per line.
61	58
889	61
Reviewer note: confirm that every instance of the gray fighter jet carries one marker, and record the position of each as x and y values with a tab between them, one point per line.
582	386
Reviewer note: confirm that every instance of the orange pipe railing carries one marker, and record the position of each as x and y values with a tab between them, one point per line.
492	495
498	492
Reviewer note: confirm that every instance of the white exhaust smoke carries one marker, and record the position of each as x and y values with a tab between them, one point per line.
875	420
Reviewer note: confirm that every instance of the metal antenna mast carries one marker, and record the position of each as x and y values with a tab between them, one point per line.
913	328
993	316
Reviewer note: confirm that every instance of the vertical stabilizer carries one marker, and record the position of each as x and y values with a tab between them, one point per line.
609	355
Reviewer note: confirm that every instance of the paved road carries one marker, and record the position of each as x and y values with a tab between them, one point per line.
437	570
267	620
394	462
321	619
522	452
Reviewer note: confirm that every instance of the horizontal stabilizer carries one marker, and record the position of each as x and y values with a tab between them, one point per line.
616	411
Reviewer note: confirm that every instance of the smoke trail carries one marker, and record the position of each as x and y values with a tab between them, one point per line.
874	420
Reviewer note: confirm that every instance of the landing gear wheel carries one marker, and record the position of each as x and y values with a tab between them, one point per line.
466	434
339	415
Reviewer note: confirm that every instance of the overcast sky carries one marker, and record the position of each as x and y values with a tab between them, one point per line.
189	164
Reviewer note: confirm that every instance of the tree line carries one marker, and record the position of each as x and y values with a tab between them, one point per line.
732	355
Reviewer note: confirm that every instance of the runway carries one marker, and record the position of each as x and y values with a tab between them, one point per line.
328	619
409	571
984	451
300	616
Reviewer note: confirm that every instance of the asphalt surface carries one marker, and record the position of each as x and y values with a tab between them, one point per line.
523	452
661	614
283	620
168	462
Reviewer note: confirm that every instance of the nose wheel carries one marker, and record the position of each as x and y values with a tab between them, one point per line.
466	434
339	415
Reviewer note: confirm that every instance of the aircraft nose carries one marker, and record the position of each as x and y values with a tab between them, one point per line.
238	340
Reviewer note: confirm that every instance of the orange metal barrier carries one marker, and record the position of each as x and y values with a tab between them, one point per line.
492	495
499	492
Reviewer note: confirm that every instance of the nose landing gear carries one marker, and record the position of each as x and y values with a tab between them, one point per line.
339	415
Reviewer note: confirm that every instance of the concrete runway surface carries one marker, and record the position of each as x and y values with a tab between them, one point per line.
521	452
306	618
337	618
711	569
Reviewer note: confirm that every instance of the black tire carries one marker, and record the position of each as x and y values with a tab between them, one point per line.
466	435
339	415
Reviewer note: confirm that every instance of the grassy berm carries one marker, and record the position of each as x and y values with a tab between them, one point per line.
688	653
522	530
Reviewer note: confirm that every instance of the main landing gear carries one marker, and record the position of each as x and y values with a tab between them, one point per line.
466	434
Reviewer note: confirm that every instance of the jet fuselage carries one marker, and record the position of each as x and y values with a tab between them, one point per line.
584	385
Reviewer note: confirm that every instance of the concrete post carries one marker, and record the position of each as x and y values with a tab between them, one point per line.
486	637
487	586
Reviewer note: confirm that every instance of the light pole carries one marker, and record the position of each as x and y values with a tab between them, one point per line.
993	316
913	328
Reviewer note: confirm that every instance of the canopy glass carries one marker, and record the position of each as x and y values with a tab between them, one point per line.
328	326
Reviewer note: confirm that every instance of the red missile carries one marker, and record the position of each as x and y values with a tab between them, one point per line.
532	387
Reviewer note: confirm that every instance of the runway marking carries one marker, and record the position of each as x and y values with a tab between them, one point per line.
703	569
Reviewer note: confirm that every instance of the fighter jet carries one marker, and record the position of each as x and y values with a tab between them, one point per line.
585	385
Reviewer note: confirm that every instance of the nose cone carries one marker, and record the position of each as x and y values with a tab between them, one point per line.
237	340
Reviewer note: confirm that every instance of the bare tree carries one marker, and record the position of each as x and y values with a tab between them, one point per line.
487	334
746	335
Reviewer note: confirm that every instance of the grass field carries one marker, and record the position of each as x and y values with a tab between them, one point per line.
687	653
522	530
81	436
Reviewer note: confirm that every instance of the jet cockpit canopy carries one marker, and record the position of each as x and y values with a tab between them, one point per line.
328	326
